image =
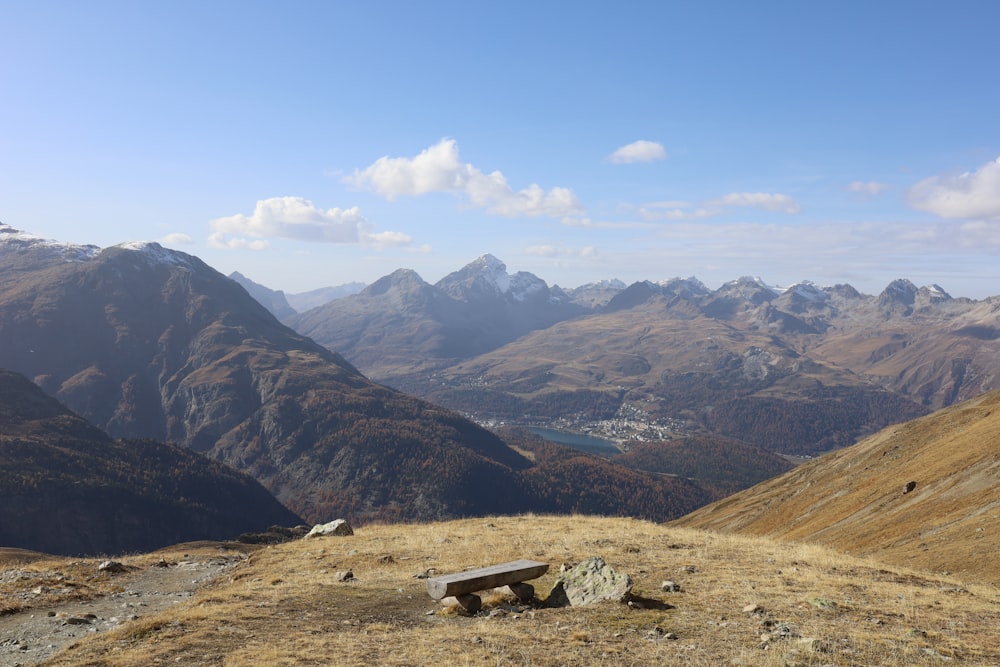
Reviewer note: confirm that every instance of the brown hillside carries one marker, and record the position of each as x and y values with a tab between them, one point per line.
854	499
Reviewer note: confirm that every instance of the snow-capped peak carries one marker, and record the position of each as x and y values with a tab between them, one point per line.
494	272
155	252
13	240
806	290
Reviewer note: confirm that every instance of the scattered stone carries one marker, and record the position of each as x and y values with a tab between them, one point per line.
592	580
346	575
778	632
753	609
690	569
822	603
813	645
76	620
670	587
386	560
112	567
426	574
336	527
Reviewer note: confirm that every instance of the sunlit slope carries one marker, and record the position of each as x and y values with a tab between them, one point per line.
855	499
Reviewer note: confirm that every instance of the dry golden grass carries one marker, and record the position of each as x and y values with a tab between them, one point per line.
853	500
285	605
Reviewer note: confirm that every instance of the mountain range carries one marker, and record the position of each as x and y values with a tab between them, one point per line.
150	343
798	370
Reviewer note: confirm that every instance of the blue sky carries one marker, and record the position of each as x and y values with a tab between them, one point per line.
314	143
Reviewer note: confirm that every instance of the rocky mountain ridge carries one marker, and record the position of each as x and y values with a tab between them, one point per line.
403	322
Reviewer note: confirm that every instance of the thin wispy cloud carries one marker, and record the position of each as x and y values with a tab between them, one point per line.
553	250
684	210
298	219
974	194
638	151
867	187
177	238
587	223
440	169
767	201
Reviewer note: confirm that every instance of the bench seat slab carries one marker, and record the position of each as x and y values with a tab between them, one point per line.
494	576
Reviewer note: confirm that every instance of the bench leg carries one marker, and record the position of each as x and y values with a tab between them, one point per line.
524	592
470	603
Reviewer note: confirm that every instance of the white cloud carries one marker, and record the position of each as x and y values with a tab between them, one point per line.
638	151
176	238
560	251
968	195
763	200
388	239
439	169
297	218
867	187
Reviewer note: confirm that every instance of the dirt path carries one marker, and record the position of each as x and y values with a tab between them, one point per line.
36	624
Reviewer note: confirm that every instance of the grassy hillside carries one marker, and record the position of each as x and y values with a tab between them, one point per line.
285	605
854	499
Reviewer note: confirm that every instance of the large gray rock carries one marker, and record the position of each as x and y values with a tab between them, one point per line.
588	582
337	527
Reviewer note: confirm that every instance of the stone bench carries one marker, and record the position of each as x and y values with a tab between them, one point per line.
463	585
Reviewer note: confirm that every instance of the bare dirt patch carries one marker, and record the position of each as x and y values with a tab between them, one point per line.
49	603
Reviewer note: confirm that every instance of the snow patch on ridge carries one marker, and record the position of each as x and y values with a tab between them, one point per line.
156	253
13	240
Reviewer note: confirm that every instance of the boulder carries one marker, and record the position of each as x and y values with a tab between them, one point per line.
590	581
337	527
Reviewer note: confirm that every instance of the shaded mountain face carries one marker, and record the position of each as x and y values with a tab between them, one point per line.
68	488
921	494
274	300
400	324
152	343
304	301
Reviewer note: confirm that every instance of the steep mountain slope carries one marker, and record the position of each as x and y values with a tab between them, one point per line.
151	343
397	322
67	488
856	499
401	324
274	300
715	462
